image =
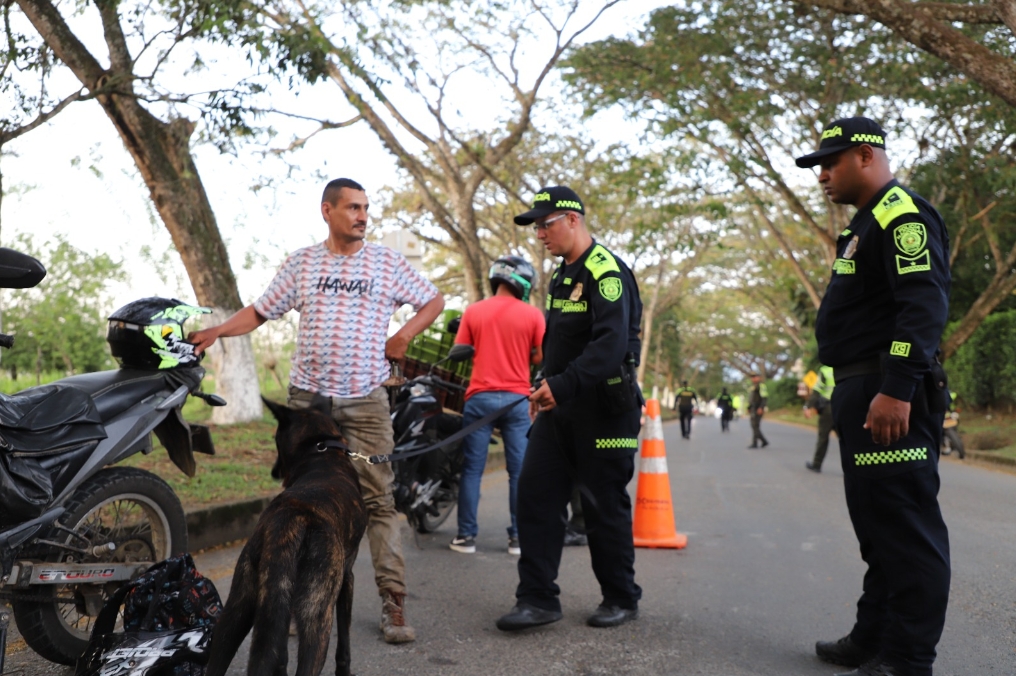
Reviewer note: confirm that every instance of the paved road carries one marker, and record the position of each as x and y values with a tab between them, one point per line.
771	566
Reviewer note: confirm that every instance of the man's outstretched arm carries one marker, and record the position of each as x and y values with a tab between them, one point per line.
241	323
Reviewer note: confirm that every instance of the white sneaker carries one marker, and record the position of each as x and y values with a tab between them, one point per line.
513	547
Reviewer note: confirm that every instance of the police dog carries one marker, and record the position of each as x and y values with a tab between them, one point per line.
299	561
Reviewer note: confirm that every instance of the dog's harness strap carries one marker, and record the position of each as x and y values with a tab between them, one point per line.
464	432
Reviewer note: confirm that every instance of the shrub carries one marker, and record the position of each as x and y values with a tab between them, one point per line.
983	370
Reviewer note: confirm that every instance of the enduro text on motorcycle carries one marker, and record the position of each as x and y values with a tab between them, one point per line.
427	486
73	527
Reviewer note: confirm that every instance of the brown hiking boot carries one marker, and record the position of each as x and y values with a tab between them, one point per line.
393	618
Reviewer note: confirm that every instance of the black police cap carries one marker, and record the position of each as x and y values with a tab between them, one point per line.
550	199
842	134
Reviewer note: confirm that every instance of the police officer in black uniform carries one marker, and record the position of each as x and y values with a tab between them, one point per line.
587	421
879	327
686	400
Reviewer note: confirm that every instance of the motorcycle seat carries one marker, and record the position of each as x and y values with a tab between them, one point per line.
115	391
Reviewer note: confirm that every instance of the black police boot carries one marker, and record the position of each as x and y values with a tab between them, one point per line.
844	652
876	667
524	616
611	616
813	467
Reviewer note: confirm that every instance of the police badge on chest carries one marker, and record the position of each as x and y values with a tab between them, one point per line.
576	293
851	248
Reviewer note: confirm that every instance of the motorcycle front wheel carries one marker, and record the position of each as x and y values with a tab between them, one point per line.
131	508
444	502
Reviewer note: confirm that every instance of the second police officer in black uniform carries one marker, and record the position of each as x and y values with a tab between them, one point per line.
879	326
588	420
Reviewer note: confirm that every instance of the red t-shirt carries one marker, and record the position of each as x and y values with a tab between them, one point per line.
504	331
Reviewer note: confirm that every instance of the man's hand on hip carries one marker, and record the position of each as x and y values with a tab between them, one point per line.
888	419
395	348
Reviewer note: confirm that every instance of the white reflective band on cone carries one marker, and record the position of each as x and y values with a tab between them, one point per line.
653	429
653	465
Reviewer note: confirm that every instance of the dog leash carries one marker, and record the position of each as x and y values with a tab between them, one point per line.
389	457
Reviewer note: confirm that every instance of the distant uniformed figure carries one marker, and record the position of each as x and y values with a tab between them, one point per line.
686	400
757	399
586	429
726	405
820	401
879	326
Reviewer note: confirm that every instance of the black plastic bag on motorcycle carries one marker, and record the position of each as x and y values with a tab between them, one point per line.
168	617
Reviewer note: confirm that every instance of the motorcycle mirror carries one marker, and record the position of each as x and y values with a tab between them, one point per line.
19	271
460	352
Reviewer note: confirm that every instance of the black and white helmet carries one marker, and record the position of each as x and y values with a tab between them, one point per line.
514	271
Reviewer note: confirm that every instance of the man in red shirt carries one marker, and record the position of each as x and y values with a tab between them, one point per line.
507	333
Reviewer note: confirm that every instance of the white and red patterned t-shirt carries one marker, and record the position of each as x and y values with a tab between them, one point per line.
345	304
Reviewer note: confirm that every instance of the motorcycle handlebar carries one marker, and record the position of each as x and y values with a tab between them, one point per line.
438	381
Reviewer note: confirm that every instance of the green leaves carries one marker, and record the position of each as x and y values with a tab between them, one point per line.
60	325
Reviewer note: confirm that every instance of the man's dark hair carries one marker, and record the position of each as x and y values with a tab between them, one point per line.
331	193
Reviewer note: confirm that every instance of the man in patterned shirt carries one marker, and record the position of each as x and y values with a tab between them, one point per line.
346	291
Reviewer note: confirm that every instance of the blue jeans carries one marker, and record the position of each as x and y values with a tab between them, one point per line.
514	425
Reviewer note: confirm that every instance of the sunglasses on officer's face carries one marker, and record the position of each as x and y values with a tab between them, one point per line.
547	223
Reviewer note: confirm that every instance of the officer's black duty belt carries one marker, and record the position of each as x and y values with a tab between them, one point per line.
865	367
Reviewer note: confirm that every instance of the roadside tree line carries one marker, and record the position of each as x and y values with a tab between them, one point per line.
731	243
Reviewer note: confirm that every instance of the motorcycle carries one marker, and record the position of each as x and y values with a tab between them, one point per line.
951	440
73	526
427	486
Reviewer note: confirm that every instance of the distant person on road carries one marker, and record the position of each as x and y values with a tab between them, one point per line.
879	326
586	429
507	333
726	405
757	399
346	291
686	400
820	402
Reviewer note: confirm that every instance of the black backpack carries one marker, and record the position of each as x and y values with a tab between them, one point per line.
168	616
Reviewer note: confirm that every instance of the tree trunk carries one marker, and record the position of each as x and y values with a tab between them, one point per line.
647	333
232	361
161	152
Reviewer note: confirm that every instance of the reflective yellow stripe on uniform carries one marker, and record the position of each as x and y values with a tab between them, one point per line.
619	442
886	457
600	262
895	203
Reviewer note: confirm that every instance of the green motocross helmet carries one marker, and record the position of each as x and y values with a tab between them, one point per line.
148	334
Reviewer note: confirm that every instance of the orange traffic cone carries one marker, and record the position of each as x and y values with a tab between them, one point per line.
653	524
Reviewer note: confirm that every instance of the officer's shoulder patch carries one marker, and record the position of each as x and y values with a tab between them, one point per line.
600	262
893	204
910	238
610	288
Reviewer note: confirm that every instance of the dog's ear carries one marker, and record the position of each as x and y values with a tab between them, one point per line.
278	410
322	403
